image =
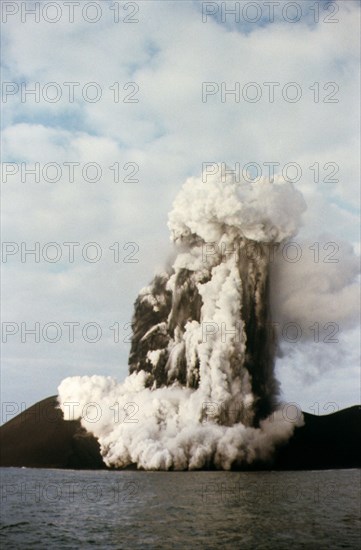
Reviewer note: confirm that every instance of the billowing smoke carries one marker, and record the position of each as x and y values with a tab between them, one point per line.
201	389
317	324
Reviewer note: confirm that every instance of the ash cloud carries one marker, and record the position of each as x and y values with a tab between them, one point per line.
322	286
201	386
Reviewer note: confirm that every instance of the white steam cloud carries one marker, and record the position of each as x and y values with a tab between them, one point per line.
201	389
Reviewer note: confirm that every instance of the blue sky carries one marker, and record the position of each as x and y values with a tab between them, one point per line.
163	61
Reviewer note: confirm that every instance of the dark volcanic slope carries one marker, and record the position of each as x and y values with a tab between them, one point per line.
40	438
329	441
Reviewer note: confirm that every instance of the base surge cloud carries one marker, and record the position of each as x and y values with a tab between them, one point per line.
201	389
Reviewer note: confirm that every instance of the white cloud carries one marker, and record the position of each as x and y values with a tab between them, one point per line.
168	133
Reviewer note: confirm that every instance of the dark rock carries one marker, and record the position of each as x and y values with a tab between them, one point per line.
39	437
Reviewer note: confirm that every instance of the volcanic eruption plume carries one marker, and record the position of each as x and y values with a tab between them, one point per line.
201	388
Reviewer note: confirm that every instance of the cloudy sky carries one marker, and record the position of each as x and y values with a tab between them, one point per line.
115	105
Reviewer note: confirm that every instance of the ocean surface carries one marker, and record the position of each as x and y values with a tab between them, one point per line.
56	509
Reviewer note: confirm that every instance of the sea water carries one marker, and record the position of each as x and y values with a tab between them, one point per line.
56	509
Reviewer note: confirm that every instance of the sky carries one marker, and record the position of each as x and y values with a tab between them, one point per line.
108	107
